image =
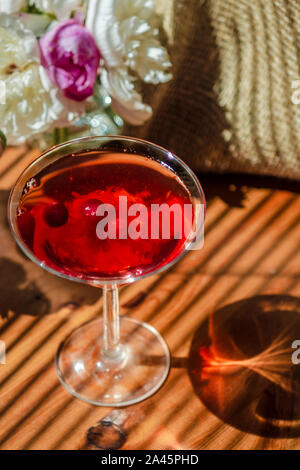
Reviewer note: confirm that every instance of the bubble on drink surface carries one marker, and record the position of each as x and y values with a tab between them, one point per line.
30	185
138	272
89	207
56	214
20	211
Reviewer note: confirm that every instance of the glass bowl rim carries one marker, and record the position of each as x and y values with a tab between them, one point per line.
94	280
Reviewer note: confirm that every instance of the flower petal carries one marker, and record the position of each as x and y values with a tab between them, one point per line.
126	101
11	6
62	9
101	22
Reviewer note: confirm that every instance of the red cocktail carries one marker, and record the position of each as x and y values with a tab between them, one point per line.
57	215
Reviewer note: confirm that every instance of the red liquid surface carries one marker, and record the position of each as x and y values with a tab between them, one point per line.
57	215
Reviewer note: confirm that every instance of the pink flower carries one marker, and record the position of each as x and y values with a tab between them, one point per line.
71	58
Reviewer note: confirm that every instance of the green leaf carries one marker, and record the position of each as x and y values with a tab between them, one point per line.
3	140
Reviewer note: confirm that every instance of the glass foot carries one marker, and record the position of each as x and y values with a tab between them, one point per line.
138	371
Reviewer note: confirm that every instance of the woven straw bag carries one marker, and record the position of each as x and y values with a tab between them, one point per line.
233	105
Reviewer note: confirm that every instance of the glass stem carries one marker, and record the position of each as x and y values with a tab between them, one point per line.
112	348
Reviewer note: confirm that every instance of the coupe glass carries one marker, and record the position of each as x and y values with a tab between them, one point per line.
111	361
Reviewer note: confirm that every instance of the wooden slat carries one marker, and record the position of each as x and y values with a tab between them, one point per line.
251	249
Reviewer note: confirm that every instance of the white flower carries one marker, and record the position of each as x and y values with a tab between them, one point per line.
11	6
127	33
142	50
32	103
62	9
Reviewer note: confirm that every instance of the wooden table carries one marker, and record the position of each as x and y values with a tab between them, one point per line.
229	313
